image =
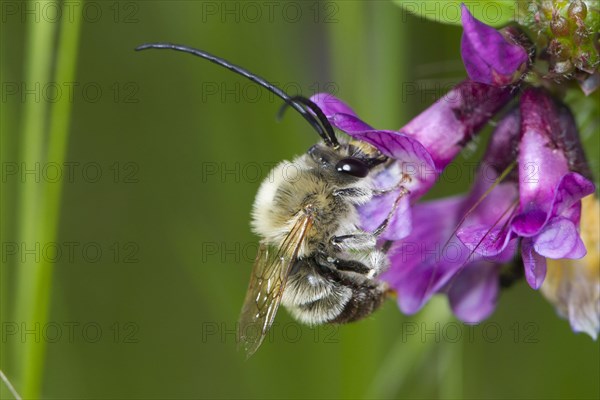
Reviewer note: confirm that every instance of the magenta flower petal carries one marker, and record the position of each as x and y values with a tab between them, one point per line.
415	158
502	147
549	193
473	292
573	213
451	122
431	269
348	123
398	146
570	142
488	57
541	164
340	114
331	105
549	148
431	260
571	189
485	241
486	230
534	264
419	264
559	239
567	196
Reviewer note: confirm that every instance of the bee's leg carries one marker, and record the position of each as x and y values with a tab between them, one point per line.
364	240
405	179
356	241
351	265
386	221
354	195
386	246
371	267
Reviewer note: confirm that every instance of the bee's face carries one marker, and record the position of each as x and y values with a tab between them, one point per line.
336	164
343	164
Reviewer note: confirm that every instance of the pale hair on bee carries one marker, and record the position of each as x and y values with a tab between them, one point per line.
313	257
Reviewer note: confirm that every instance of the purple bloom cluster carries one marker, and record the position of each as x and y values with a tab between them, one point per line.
525	202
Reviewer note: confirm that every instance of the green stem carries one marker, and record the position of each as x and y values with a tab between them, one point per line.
8	200
38	58
43	202
410	353
450	371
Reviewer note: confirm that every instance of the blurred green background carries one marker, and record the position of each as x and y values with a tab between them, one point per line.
160	155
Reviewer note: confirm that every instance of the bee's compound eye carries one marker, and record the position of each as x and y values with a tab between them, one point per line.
353	166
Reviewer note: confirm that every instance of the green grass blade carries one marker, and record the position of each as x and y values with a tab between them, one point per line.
38	67
37	284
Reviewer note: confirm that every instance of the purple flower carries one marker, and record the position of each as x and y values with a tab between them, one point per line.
432	260
548	211
488	56
422	148
525	200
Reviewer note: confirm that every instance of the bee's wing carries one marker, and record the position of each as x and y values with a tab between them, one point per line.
267	282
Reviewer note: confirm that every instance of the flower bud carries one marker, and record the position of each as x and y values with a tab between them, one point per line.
489	56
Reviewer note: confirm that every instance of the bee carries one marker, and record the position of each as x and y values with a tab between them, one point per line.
313	257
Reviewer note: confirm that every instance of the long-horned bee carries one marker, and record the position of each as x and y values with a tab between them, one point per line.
313	256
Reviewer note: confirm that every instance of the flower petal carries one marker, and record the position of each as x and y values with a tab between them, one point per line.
488	57
541	164
570	142
583	310
486	230
485	241
473	292
559	239
502	148
590	83
348	123
415	160
431	269
570	190
573	286
420	264
534	264
451	122
331	105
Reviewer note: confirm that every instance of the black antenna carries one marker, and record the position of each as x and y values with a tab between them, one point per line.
316	110
325	133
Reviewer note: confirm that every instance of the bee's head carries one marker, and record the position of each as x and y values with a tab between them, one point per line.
346	163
